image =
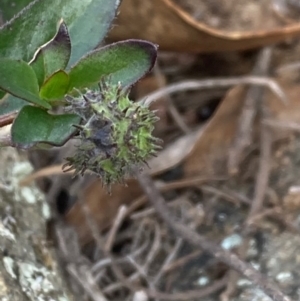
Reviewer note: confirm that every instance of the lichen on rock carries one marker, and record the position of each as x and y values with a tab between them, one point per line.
28	269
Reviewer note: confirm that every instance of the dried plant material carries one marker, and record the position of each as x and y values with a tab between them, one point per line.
174	153
232	15
287	11
103	206
209	156
44	172
251	108
169	25
211	150
230	259
291	200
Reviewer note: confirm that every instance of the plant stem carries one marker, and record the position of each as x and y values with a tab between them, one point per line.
7	119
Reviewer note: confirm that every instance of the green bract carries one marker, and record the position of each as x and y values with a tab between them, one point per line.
116	136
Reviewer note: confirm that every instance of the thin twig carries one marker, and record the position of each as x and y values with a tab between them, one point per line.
142	234
265	213
217	82
86	280
218	192
182	261
168	260
197	240
291	67
101	264
172	109
190	295
242	140
288	125
142	272
263	172
149	211
154	249
124	282
254	94
233	275
261	185
184	296
184	183
7	119
115	227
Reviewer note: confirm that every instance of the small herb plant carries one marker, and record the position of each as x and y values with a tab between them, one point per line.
49	61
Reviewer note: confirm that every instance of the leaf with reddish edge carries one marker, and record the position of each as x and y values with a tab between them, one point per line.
52	56
125	62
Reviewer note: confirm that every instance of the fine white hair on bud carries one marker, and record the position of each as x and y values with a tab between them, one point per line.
116	134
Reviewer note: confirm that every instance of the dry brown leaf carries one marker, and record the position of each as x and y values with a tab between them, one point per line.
210	153
165	23
286	113
103	207
233	15
174	153
211	149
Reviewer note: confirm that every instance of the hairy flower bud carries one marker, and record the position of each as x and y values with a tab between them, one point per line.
116	136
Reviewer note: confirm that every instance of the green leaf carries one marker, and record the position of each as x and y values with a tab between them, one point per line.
34	125
10	103
54	55
10	8
88	22
124	62
18	79
56	86
2	94
91	27
39	69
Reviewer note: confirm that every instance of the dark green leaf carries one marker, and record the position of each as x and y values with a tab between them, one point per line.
34	125
91	27
88	23
56	86
10	8
54	55
2	94
124	62
18	79
10	103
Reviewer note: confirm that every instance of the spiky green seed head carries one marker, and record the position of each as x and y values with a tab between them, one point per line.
116	135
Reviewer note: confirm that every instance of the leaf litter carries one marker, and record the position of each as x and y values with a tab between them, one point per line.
122	249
